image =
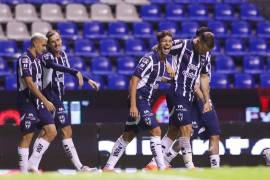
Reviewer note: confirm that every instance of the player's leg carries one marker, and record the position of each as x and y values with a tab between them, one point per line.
214	151
23	151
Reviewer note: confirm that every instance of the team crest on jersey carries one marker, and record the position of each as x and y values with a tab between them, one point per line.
147	121
180	116
62	119
24	60
27	124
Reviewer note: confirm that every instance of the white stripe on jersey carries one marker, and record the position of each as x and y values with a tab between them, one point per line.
58	83
156	78
144	79
174	58
198	69
187	71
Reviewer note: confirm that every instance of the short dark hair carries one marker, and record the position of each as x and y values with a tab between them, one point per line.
51	32
206	35
162	34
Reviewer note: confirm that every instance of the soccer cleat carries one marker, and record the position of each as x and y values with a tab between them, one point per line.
107	170
34	170
87	169
151	167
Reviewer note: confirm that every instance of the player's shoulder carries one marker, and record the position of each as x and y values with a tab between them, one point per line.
47	56
63	53
147	58
24	58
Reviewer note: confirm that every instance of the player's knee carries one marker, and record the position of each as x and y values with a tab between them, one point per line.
172	132
26	140
50	132
186	130
128	136
66	132
156	131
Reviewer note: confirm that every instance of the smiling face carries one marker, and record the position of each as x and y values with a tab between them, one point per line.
165	44
55	43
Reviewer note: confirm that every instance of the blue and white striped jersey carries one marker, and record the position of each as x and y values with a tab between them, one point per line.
150	70
188	65
28	66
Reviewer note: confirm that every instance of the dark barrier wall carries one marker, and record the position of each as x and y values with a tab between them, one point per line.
241	144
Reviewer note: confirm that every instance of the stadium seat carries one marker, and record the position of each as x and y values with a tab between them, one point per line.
258	46
118	30
137	2
87	2
117	82
250	12
263	29
234	2
65	47
170	26
111	2
68	30
253	64
224	12
95	78
175	12
26	13
135	47
26	44
37	2
219	81
2	34
3	67
17	30
84	47
94	30
62	2
198	12
11	82
234	47
76	13
160	1
109	47
209	1
218	28
12	2
70	82
101	66
243	81
143	30
101	12
265	80
127	13
152	42
183	1
225	64
41	27
125	65
240	29
77	63
216	50
151	12
268	65
189	29
51	13
8	48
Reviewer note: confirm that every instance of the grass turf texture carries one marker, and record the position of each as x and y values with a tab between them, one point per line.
225	173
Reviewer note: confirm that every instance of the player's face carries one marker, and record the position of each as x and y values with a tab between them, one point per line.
55	42
165	44
40	46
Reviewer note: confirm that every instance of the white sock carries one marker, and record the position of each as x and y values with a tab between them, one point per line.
214	161
172	152
185	148
117	151
23	159
155	145
72	153
40	146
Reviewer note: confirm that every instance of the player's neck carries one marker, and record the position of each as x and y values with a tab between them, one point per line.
33	52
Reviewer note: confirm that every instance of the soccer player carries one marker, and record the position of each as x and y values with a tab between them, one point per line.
35	109
143	84
190	59
55	63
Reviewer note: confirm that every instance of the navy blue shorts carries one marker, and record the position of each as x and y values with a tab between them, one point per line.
147	119
204	124
179	109
33	118
60	116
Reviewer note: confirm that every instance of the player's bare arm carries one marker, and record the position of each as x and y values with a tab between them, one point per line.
204	80
94	84
133	91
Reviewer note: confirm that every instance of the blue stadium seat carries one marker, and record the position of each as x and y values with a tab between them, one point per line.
77	63
253	64
224	12
117	82
209	1
126	65
234	47
234	2
109	47
218	28
94	30
243	81
143	30
182	1
189	29
118	30
101	66
265	80
84	47
70	82
170	26
11	82
26	44
151	12
225	64
258	46
62	2
87	2
8	48
198	12
216	50
12	2
68	30
152	42
160	1
240	29
135	47
263	29
175	12
4	70
95	78
219	81
250	12
37	2
65	47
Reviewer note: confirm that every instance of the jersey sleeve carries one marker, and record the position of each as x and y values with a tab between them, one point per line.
25	66
206	69
177	46
143	67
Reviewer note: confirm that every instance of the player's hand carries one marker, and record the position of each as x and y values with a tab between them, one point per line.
93	84
207	107
80	78
170	71
133	112
49	106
